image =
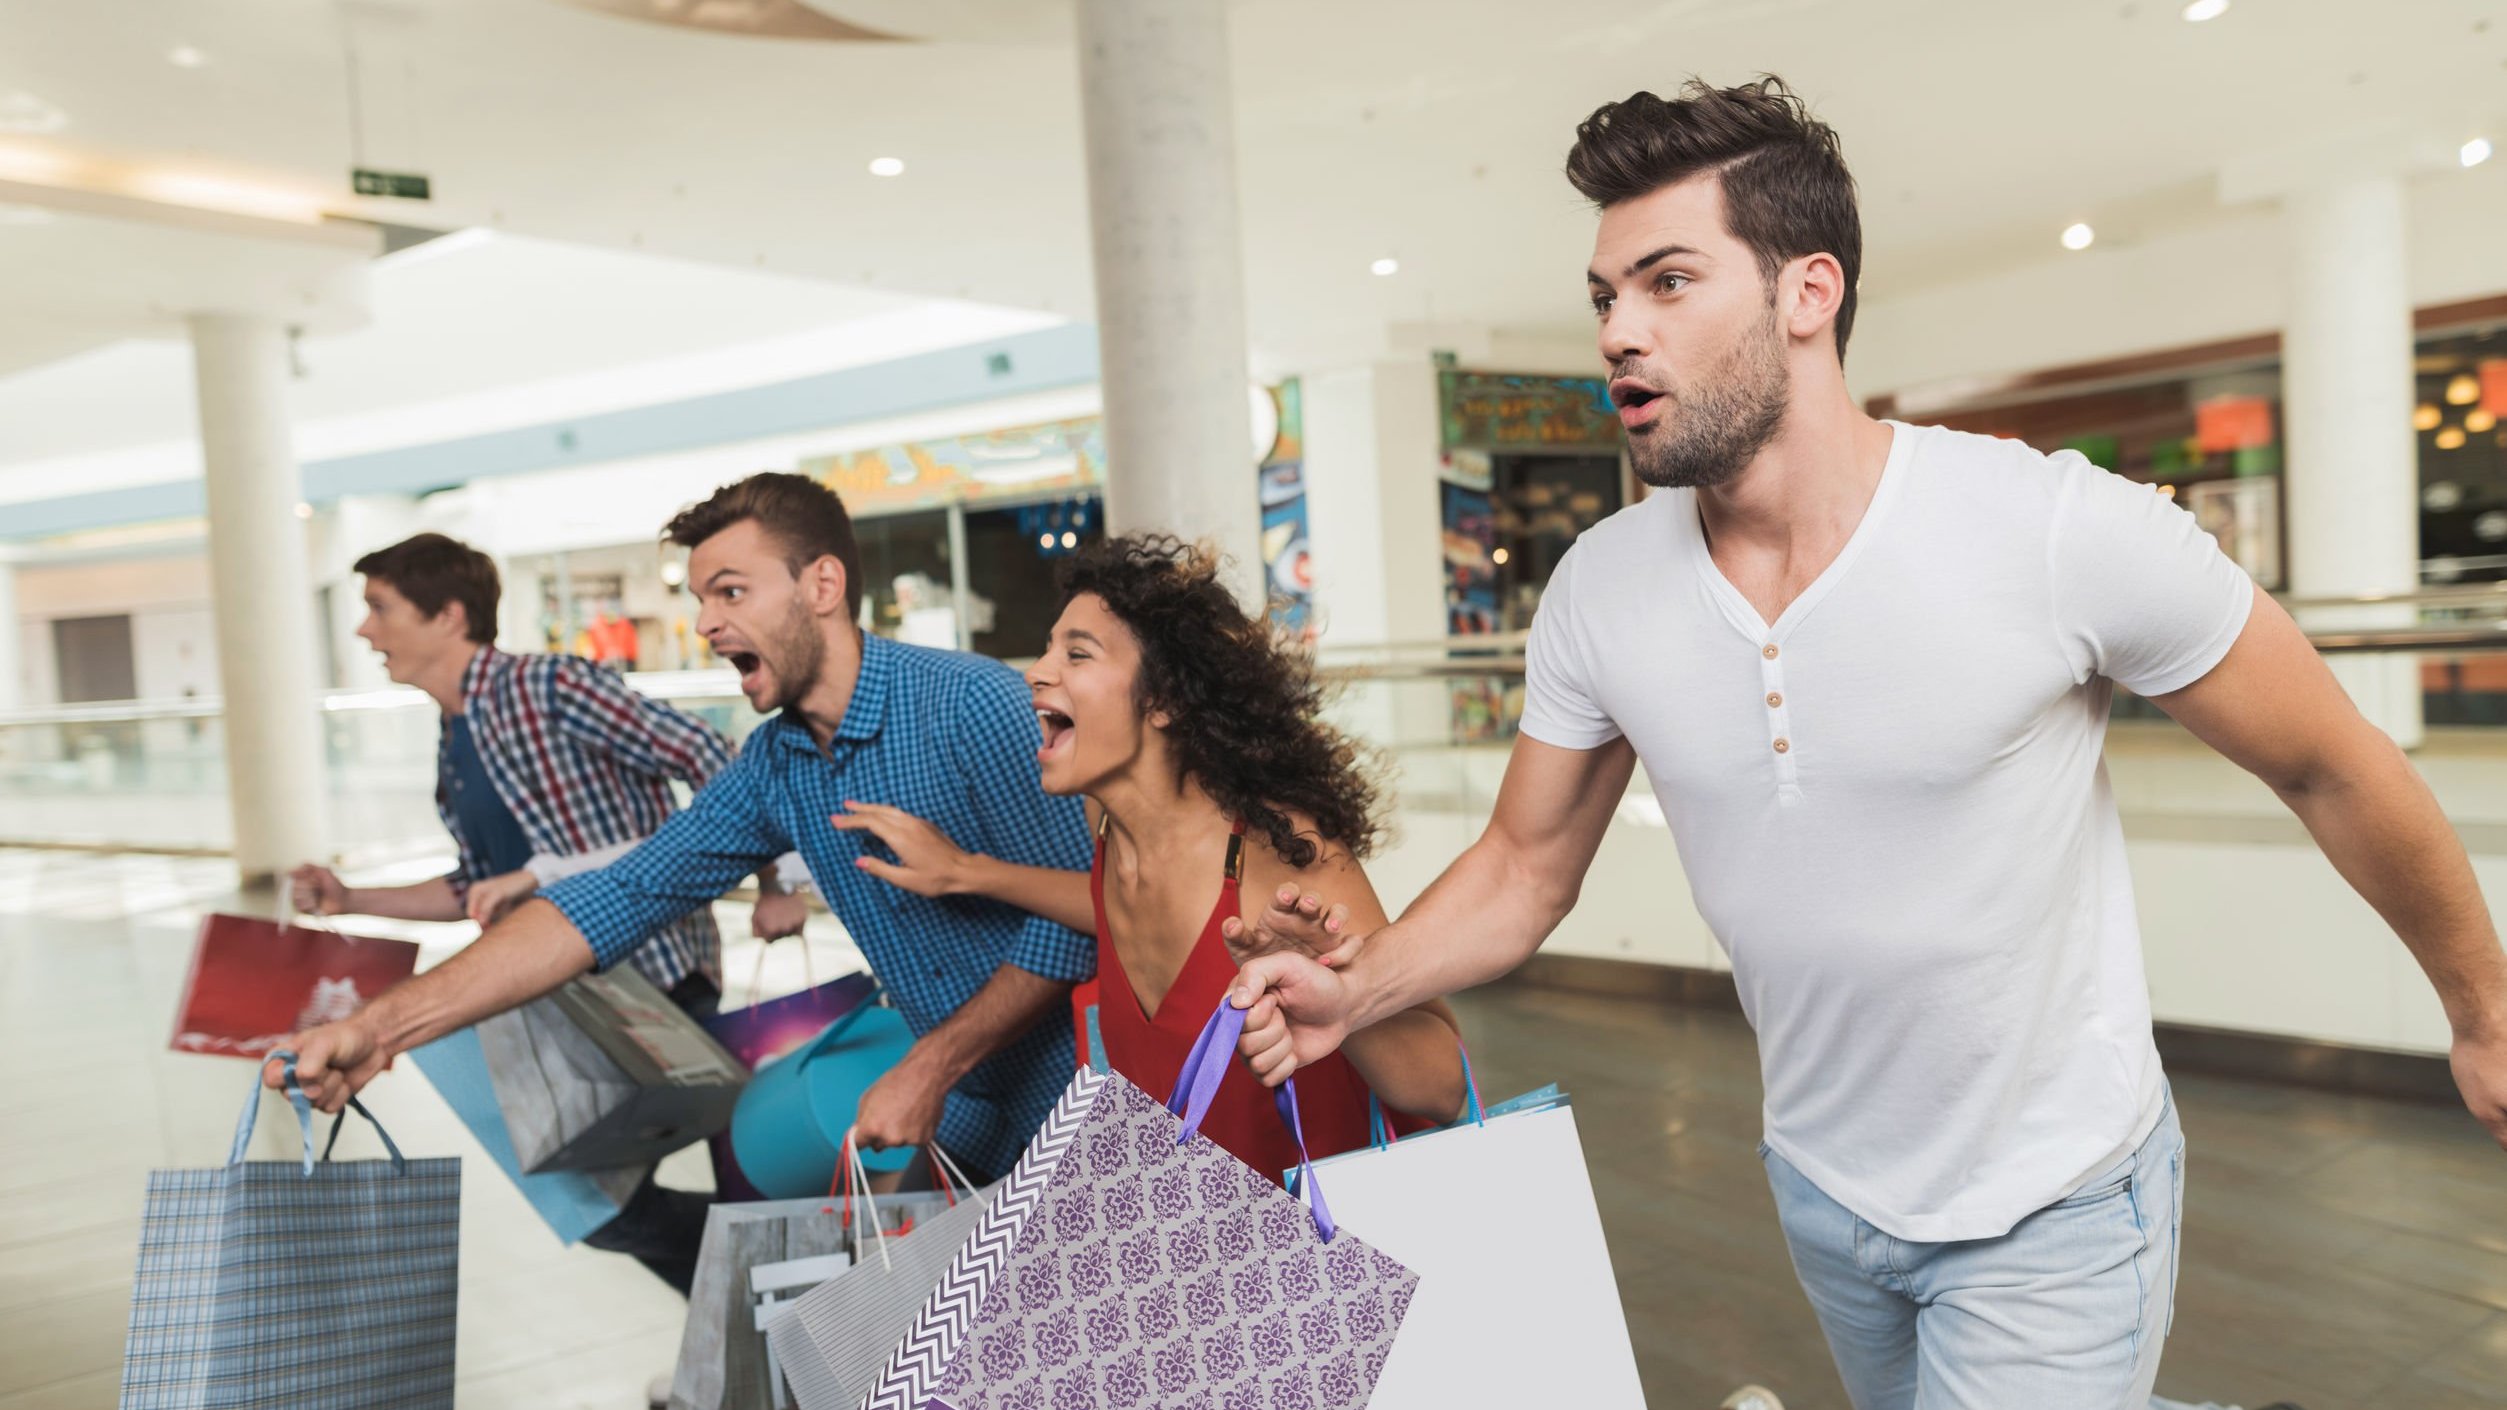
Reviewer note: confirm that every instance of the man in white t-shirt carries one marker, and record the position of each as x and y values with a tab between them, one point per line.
1867	667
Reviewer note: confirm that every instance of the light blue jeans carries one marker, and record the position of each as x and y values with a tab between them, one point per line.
2068	1311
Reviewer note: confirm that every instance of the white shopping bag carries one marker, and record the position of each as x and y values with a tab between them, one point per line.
1530	1319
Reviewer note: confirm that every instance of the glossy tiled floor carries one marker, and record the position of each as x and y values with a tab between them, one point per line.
2340	1252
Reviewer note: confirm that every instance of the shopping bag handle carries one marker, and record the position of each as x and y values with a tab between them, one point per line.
1198	1084
1380	1131
304	1118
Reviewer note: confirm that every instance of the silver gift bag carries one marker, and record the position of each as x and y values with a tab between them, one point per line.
606	1073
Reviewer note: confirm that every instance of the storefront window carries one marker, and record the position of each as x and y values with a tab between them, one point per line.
1530	463
905	577
2461	385
1012	558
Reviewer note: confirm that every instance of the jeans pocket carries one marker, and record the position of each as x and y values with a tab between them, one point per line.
2117	1188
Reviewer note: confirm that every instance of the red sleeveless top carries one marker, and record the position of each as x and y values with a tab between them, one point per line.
1150	1048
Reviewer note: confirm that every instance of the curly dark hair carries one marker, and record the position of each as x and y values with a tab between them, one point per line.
1242	703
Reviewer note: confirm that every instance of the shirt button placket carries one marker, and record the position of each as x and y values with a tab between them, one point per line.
1780	740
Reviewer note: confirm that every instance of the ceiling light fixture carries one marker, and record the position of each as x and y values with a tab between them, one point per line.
184	56
2426	416
2463	390
2196	11
2474	152
2480	421
887	166
183	188
2078	236
1386	267
2451	438
23	112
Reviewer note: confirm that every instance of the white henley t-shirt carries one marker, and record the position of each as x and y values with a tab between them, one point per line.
1894	812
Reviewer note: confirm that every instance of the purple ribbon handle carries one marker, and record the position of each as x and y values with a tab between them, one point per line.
1198	1084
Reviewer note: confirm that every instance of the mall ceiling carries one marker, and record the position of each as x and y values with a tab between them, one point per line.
1427	131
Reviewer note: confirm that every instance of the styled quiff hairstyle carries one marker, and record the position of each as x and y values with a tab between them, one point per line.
804	518
1243	708
1786	189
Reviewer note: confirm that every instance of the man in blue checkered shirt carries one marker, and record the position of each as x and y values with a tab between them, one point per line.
944	735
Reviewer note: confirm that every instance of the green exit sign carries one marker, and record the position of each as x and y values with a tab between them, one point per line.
401	185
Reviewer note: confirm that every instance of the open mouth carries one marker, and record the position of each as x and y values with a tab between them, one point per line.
1057	728
747	663
1635	400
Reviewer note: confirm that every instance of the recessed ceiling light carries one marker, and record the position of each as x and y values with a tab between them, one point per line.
2196	11
184	56
1386	267
23	112
2078	236
2474	152
887	166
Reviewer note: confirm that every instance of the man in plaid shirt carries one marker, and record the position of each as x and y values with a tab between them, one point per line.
945	735
547	766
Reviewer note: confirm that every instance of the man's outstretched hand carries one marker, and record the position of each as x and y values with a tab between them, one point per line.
2480	1066
333	1063
1297	1013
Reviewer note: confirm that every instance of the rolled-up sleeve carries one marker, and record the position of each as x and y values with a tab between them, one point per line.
1020	822
702	852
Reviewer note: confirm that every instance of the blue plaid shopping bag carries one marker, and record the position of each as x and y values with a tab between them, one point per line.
269	1284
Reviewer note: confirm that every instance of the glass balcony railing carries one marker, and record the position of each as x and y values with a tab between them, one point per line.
151	776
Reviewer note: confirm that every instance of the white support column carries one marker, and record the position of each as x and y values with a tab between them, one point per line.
2353	475
1157	105
267	656
12	635
1377	532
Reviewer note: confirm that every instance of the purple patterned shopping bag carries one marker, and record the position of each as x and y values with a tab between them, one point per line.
1130	1262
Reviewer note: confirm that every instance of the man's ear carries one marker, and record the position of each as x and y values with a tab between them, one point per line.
1817	283
824	582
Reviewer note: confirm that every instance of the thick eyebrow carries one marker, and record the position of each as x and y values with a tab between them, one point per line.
1077	634
1650	259
716	576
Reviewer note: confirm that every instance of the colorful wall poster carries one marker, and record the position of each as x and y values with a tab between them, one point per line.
1018	461
1287	557
1515	411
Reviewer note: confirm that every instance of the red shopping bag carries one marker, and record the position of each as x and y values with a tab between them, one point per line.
255	981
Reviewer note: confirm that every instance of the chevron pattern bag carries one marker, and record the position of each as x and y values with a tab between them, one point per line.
1130	1262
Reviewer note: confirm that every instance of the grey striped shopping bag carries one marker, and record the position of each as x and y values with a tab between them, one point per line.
269	1284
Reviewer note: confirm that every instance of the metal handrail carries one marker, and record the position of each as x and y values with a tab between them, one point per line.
1495	654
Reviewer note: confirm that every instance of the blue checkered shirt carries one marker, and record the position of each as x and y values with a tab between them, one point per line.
950	738
584	762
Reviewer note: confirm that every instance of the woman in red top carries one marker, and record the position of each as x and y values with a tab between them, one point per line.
1195	735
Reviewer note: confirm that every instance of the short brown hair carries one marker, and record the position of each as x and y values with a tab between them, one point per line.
1787	192
801	514
432	570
